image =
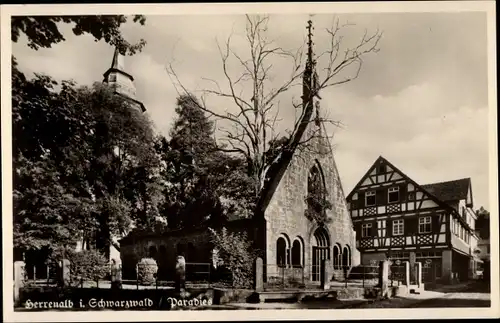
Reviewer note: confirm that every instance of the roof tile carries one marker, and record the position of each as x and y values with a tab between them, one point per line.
450	190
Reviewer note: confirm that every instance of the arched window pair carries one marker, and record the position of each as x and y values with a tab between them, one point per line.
341	260
286	256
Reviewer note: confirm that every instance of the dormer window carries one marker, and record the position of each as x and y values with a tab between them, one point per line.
393	194
370	198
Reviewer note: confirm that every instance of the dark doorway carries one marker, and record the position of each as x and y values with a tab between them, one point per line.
320	252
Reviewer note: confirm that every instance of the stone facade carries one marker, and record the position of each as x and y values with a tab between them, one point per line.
285	214
285	217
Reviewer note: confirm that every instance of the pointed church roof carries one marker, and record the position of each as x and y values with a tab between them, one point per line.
279	167
118	67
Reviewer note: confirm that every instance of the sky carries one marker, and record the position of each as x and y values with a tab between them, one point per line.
421	101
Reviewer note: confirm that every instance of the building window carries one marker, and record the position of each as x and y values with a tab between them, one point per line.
281	250
336	257
346	257
411	196
397	227
393	195
370	198
424	224
297	254
366	230
382	169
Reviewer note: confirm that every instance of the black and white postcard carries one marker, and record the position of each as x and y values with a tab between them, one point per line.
249	161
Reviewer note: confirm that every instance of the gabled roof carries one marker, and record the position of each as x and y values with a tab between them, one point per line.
450	190
433	196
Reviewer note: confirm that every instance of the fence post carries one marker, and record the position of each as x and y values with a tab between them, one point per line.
407	273
418	267
383	276
65	272
258	275
18	280
283	277
180	277
48	274
363	277
391	275
137	276
116	275
325	271
209	275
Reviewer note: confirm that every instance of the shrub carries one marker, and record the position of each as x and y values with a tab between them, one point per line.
147	270
235	253
86	265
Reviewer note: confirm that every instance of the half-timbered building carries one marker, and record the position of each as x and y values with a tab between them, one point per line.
396	218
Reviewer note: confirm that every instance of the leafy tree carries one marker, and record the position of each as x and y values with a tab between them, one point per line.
204	184
483	223
85	164
48	176
43	31
188	157
122	164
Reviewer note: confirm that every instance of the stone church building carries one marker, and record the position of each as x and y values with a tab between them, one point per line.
284	229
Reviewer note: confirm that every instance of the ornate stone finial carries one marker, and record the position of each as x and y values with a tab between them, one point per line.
310	43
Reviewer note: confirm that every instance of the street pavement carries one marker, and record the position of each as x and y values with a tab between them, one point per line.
470	294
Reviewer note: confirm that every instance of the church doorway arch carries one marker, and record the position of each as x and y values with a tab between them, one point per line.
320	251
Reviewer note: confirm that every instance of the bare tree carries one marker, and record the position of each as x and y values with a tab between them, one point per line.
252	124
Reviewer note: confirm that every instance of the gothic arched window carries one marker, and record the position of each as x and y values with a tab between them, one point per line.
336	257
314	182
281	250
316	195
297	253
